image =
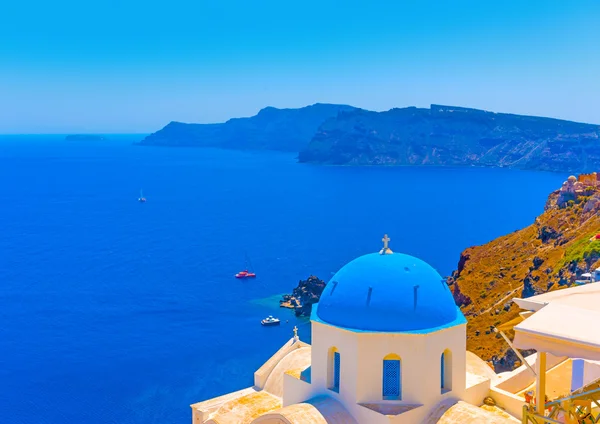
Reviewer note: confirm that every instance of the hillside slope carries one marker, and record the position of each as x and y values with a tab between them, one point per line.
547	255
271	129
455	136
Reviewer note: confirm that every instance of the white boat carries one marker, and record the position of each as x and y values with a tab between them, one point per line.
585	279
270	321
141	199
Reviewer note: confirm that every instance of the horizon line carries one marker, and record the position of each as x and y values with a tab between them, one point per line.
431	105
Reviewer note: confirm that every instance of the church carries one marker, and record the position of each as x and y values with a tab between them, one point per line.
388	346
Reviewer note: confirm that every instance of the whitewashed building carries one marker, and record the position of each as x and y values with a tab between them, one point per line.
388	346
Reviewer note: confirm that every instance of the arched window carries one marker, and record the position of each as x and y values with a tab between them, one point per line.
446	371
392	377
333	369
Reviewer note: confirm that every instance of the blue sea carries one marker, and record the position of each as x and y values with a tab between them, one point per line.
114	311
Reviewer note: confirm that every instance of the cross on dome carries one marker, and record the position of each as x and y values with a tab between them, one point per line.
386	250
385	241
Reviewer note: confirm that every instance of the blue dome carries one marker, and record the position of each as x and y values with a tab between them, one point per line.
388	293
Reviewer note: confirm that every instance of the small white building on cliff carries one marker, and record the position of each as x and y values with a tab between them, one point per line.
388	346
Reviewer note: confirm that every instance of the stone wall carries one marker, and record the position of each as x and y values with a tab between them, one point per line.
589	179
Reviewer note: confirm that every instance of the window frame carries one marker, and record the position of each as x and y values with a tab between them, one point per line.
396	361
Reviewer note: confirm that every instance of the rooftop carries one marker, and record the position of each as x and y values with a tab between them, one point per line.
388	292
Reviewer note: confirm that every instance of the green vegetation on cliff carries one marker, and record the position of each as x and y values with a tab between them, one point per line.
581	251
550	254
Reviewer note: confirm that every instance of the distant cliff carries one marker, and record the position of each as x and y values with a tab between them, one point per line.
271	129
550	254
454	136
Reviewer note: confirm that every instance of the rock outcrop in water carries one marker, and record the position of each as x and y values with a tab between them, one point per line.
455	136
272	129
304	296
553	252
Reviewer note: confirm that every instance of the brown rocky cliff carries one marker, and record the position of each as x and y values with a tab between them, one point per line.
547	255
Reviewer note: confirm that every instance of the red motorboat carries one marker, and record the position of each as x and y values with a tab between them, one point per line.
245	273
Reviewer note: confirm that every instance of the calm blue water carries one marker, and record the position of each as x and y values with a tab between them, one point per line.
113	311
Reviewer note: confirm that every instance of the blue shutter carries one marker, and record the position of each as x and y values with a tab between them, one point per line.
336	371
577	374
442	379
391	378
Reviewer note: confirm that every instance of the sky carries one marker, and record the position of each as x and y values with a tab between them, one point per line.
132	66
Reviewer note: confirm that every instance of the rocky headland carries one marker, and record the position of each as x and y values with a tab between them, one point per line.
271	129
455	136
552	253
304	296
438	136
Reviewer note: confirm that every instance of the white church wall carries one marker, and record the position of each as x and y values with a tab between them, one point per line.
420	364
453	342
373	348
591	371
510	402
362	356
262	374
324	338
364	415
476	393
298	391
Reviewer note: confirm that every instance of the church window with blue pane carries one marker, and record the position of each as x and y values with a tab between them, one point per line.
334	369
443	383
392	378
446	371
